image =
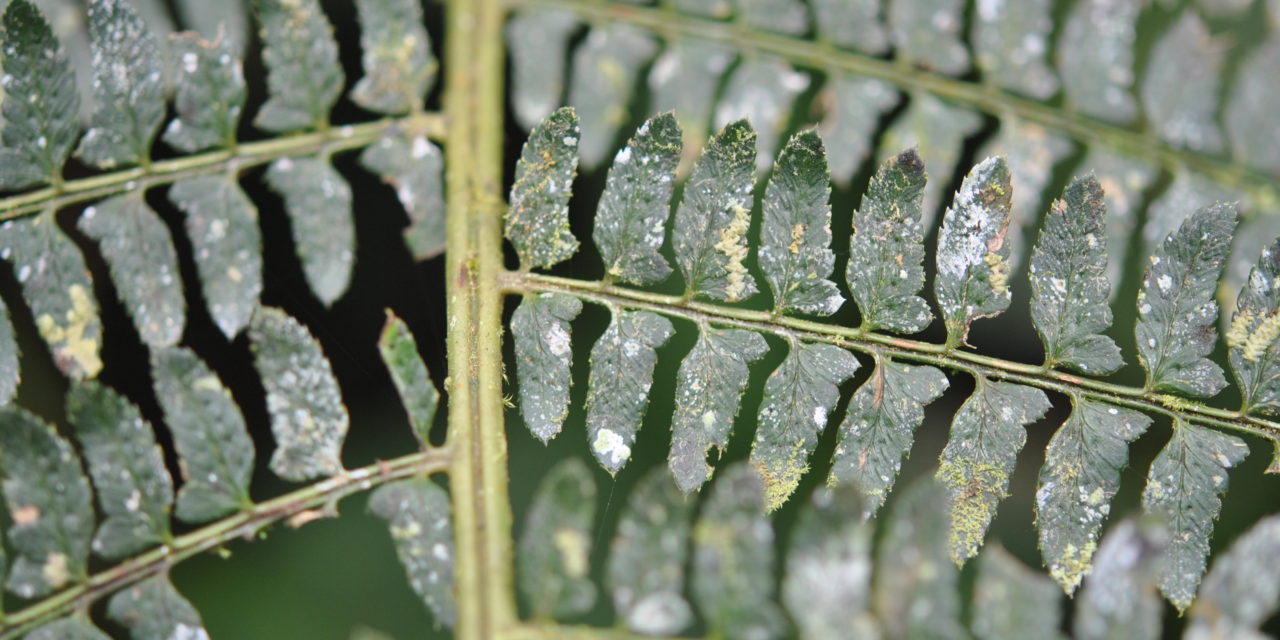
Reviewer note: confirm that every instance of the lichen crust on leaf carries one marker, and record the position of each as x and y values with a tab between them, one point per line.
318	201
414	167
417	512
553	556
710	236
1069	286
972	259
987	433
540	329
880	426
709	388
622	363
1251	338
537	217
795	233
798	398
210	93
885	272
154	610
648	555
1184	486
1176	309
1080	476
631	219
398	64
409	373
214	449
304	77
308	418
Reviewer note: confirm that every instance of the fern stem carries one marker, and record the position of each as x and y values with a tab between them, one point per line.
670	23
243	156
243	525
904	349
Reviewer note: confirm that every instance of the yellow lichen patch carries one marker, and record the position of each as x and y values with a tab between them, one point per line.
1073	566
999	272
781	480
733	245
1238	332
976	488
1261	338
72	349
54	571
25	514
797	237
572	546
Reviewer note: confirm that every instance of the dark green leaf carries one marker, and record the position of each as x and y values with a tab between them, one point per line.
795	237
418	392
1011	39
631	219
853	108
1032	152
135	491
930	34
143	264
1119	600
128	82
798	399
852	24
605	67
761	90
554	554
685	79
50	506
222	224
880	426
56	285
543	349
1098	72
41	104
414	167
710	238
1069	287
986	435
154	610
1242	590
308	418
973	257
916	590
417	512
1180	85
1080	476
1184	484
886	252
827	585
1251	339
538	39
210	95
67	629
1011	601
937	131
648	555
304	78
622	362
10	375
399	67
1176	311
318	201
209	433
709	391
733	560
537	219
1123	179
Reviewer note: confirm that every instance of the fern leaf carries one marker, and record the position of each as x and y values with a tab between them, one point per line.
622	363
1241	591
1251	339
210	94
852	24
602	84
1080	476
1176	312
143	265
1098	75
134	489
711	224
41	104
304	78
225	21
9	373
853	106
795	235
537	219
414	167
1011	601
222	224
827	585
937	130
67	629
1249	123
631	219
780	16
417	512
50	506
208	432
1180	86
648	555
307	415
318	201
915	591
1069	288
711	381
878	429
1123	180
886	252
128	86
555	547
154	610
399	67
733	559
1119	599
1032	152
1184	484
418	393
1011	41
986	435
1189	193
538	39
761	90
972	260
798	398
930	34
541	332
685	79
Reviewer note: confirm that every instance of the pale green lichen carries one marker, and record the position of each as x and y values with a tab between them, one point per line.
733	245
68	340
976	487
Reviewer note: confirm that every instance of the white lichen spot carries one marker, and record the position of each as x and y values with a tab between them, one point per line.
187	632
623	156
133	501
54	570
611	447
557	339
1164	282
